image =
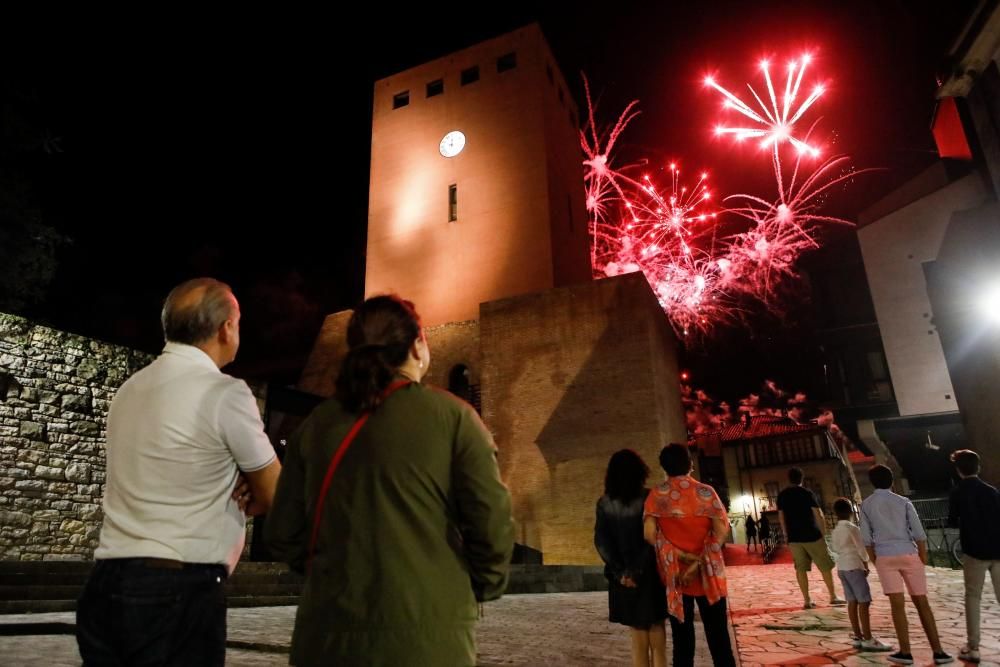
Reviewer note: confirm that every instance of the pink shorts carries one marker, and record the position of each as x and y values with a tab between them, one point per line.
895	572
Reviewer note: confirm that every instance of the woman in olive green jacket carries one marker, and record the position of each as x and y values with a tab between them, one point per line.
416	525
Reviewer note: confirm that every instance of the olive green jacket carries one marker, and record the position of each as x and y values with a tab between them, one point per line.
416	526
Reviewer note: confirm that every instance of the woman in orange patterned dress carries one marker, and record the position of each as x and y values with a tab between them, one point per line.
687	524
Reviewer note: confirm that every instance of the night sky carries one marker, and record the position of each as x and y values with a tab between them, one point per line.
237	145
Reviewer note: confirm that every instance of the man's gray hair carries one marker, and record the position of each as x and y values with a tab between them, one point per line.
194	318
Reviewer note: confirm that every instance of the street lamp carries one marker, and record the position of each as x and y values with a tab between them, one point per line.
988	303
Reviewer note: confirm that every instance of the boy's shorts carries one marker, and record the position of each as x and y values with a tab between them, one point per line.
855	583
897	572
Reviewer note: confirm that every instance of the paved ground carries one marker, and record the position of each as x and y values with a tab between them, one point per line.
772	629
571	628
523	630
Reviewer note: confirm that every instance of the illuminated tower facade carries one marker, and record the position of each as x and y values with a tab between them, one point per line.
476	180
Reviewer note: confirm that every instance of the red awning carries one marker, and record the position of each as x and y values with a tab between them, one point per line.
949	133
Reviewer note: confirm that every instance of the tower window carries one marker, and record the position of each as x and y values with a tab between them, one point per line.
452	203
400	100
435	88
506	62
470	75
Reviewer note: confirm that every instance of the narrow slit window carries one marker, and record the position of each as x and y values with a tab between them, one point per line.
400	100
452	203
435	88
470	75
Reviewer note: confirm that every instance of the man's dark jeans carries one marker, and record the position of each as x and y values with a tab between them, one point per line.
716	623
134	614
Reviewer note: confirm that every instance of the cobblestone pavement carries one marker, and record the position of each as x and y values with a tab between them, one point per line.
772	628
572	629
523	630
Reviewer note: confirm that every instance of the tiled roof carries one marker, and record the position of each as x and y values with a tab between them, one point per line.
761	426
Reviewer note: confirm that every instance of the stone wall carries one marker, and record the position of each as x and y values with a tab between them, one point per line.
55	389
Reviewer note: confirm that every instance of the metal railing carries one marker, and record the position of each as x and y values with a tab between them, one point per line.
931	509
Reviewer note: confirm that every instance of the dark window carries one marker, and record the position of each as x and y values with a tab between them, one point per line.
459	382
435	88
470	75
452	203
772	490
548	72
506	62
400	100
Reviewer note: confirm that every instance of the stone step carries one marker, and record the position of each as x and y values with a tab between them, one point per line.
30	567
262	600
36	606
43	579
55	586
40	592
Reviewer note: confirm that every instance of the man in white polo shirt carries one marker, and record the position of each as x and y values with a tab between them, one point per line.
179	434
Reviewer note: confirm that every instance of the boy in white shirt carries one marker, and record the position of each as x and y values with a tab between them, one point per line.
852	567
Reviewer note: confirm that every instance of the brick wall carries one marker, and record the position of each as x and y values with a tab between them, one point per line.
570	376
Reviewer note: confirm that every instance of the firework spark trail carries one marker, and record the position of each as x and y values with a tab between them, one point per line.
604	183
670	236
702	281
783	229
775	124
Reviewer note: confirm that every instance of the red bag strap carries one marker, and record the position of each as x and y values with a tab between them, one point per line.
334	462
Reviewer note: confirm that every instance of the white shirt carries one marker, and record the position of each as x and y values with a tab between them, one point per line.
847	547
179	431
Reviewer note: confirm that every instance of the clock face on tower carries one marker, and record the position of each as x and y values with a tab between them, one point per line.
452	144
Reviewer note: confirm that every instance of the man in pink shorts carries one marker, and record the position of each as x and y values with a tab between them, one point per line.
897	545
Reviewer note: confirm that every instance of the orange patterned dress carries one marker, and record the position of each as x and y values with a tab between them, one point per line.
684	509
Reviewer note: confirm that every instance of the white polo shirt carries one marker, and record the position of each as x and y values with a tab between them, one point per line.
179	431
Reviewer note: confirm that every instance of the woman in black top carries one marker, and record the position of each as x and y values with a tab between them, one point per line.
751	527
636	596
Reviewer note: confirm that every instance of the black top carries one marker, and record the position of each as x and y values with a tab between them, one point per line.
974	508
764	526
618	537
797	503
751	527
